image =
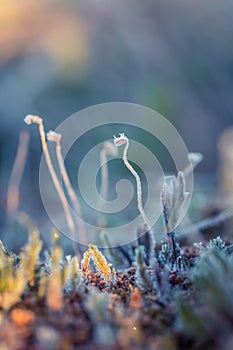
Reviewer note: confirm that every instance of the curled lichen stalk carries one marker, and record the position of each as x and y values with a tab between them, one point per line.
123	140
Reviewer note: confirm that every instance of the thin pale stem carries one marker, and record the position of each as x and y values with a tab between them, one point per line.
16	175
71	193
139	186
56	182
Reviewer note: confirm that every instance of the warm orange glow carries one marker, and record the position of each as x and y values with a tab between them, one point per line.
35	26
22	317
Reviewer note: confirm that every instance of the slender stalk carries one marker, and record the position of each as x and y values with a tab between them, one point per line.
55	137
123	140
12	202
30	119
194	158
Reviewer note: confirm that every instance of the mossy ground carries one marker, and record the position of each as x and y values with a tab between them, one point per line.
182	304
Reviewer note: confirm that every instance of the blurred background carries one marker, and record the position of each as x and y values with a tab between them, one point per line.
57	57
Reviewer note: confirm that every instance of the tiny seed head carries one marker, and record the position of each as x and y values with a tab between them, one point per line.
53	136
120	140
30	119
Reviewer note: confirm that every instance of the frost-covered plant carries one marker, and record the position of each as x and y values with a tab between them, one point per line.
85	263
101	265
164	255
56	137
217	243
173	195
206	313
123	140
55	285
143	277
194	158
15	279
32	119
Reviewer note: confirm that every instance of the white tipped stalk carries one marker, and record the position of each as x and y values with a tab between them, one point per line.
194	158
32	119
123	140
173	195
56	137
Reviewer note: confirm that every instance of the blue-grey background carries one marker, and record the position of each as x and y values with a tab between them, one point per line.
58	57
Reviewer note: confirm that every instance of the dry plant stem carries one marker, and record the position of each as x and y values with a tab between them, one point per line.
139	187
72	195
53	174
55	179
16	175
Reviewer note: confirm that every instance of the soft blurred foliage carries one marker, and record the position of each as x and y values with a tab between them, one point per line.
57	57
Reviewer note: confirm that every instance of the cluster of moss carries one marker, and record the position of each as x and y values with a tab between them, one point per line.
54	301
